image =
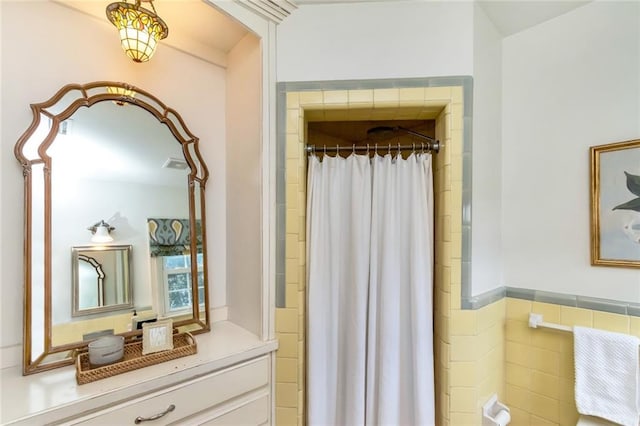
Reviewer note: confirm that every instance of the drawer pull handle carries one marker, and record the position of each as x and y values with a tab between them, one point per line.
169	409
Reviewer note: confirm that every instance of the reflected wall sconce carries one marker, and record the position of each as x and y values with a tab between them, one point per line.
101	232
139	28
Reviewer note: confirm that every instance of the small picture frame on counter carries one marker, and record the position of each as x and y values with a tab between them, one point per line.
157	336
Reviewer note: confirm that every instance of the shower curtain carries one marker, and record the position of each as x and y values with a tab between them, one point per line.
370	268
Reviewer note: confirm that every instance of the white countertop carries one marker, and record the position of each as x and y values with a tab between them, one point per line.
56	394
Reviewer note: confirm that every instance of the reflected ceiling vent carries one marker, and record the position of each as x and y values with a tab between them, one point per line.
175	163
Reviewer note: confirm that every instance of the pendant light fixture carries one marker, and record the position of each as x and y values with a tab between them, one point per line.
140	28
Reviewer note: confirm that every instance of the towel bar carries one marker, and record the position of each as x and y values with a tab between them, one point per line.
535	321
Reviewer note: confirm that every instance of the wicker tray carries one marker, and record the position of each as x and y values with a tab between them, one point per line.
183	344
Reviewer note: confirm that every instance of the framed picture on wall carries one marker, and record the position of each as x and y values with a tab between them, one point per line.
615	204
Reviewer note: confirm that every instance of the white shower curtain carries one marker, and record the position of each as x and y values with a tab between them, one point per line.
370	268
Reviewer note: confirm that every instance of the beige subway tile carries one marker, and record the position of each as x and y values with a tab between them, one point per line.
286	395
292	221
302	252
464	419
457	95
463	399
438	93
386	97
286	370
336	97
455	273
286	320
310	98
517	353
291	246
539	421
292	169
634	326
550	312
518	375
457	115
302	278
291	195
292	121
567	365
293	145
549	339
293	100
576	316
455	298
464	348
611	322
491	314
443	327
517	397
547	408
445	403
445	303
518	331
568	414
545	360
286	416
287	345
545	384
412	94
463	373
518	309
291	271
335	114
566	393
520	417
291	296
464	323
360	96
445	356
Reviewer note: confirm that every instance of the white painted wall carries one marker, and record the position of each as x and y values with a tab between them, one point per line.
244	184
38	59
486	250
568	84
375	40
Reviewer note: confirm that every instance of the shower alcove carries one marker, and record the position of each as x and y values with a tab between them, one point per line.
305	109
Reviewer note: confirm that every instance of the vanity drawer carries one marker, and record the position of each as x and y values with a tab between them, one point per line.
188	398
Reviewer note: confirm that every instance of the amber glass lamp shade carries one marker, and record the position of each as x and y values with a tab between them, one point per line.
140	29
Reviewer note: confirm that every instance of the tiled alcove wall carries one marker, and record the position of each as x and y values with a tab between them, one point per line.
468	345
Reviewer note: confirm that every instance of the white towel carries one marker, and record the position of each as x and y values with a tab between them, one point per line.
607	375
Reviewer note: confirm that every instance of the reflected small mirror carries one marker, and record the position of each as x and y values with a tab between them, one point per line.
101	279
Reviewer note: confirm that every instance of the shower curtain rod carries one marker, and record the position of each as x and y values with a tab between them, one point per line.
429	146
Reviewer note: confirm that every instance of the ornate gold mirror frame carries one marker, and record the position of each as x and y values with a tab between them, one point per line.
39	351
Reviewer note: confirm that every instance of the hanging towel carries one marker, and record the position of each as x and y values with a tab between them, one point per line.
607	367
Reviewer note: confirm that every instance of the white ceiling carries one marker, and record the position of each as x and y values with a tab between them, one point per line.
198	28
513	16
509	16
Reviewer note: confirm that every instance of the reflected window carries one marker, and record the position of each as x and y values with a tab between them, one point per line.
177	279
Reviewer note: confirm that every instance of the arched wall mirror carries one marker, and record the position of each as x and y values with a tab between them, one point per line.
109	151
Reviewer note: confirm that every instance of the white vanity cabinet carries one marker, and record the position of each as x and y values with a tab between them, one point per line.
240	392
228	382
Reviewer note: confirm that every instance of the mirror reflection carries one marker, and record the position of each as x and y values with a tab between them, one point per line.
127	160
101	279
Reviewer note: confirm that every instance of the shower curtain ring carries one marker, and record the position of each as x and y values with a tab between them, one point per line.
325	150
354	148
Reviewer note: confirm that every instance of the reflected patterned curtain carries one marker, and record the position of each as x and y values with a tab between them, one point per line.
170	237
